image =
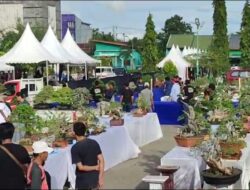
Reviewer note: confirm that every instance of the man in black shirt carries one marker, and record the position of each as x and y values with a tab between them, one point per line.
11	175
126	98
97	91
87	156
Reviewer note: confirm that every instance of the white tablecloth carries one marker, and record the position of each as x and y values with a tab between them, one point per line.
143	130
188	175
116	146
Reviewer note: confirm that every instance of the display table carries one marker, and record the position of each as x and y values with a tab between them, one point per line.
188	175
168	112
143	130
116	146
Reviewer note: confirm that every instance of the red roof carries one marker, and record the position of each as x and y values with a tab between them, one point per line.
112	43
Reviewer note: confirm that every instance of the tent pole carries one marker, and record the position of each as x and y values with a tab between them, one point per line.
47	73
14	75
86	73
68	72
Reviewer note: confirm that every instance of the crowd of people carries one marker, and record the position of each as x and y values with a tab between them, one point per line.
20	171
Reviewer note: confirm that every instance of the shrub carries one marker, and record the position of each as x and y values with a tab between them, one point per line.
170	69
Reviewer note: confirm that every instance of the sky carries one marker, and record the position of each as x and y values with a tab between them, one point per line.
130	16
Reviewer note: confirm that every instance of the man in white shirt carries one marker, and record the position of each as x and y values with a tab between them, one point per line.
176	89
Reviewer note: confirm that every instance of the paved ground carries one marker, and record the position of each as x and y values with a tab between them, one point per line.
128	175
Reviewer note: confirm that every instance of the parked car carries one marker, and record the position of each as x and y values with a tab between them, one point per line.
104	72
29	87
235	74
120	71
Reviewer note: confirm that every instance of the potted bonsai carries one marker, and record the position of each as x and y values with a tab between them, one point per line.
63	96
143	107
115	113
43	98
81	97
231	136
190	135
217	174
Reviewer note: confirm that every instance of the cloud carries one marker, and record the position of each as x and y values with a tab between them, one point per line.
116	6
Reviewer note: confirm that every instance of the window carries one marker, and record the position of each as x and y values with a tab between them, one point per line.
235	74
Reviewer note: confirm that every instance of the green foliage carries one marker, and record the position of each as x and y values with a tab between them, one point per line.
10	38
143	104
146	78
244	36
81	97
106	61
45	95
220	45
173	25
63	95
170	69
26	115
149	52
99	35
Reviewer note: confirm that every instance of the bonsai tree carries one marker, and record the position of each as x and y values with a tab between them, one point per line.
26	115
170	69
81	97
142	104
45	95
63	96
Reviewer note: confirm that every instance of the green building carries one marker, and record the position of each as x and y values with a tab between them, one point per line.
119	54
204	41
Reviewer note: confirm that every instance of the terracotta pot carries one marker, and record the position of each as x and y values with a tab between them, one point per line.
247	127
235	156
62	143
235	147
116	122
188	141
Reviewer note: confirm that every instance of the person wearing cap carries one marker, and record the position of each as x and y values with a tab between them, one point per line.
11	174
87	156
147	94
36	175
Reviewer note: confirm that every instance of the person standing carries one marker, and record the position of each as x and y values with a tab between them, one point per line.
140	85
36	175
21	98
168	86
97	91
13	161
87	156
176	89
126	98
188	91
147	94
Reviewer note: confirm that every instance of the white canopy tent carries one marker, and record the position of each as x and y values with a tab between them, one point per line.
28	50
52	45
74	50
180	63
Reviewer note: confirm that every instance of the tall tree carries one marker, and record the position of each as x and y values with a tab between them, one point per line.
149	52
173	25
245	36
220	45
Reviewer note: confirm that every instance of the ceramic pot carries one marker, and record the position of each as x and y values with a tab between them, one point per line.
216	180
